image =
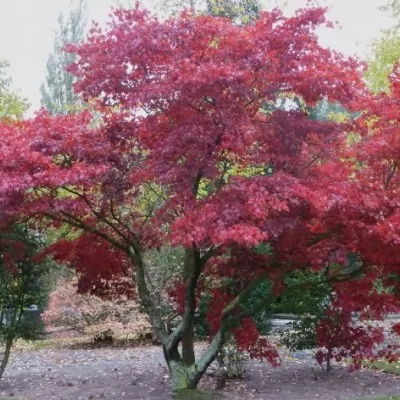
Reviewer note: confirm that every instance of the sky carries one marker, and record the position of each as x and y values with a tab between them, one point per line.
27	32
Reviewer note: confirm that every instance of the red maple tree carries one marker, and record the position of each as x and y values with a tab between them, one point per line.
198	135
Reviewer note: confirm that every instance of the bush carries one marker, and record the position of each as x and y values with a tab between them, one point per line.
90	315
22	284
231	361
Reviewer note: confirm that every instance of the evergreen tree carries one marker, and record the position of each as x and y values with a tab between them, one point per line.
57	91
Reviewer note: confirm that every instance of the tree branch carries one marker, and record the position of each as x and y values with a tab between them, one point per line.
223	332
77	223
99	216
152	310
194	266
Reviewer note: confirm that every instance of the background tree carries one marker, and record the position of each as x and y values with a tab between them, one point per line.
57	91
23	282
393	8
239	10
243	11
12	106
386	52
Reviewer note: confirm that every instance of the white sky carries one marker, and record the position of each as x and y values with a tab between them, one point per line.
27	32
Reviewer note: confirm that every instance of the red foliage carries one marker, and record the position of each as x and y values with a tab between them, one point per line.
248	339
102	269
176	128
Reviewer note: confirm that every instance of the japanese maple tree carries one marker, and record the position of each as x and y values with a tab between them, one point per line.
198	137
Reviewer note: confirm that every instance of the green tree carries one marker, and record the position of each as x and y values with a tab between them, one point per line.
23	282
57	92
12	106
242	10
239	10
393	8
385	52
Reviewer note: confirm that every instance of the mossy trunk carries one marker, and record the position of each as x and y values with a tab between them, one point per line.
182	377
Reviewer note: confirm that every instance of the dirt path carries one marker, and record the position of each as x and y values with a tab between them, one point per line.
140	373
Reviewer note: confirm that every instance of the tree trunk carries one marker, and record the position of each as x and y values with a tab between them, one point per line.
188	356
181	377
188	339
6	357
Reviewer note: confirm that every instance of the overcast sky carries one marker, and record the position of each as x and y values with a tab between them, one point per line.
27	33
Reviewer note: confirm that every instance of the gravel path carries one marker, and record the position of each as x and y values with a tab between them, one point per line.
140	373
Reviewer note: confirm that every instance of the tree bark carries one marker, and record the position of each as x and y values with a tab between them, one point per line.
6	357
188	338
182	376
188	356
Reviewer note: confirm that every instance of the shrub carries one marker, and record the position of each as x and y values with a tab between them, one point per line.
22	284
91	315
231	361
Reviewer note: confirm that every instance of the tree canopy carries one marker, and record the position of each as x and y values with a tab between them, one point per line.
188	143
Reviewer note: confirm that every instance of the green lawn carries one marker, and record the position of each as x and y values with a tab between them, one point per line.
10	398
388	398
391	368
378	398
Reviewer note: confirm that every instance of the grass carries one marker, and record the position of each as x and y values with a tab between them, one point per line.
390	368
10	398
79	342
384	366
22	345
383	398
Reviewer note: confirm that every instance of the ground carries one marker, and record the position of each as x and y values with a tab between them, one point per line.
140	373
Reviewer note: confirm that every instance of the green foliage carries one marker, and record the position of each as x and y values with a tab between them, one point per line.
242	11
262	318
12	106
307	298
200	322
163	267
386	52
23	282
327	111
303	297
231	361
381	398
385	366
57	91
298	299
309	304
